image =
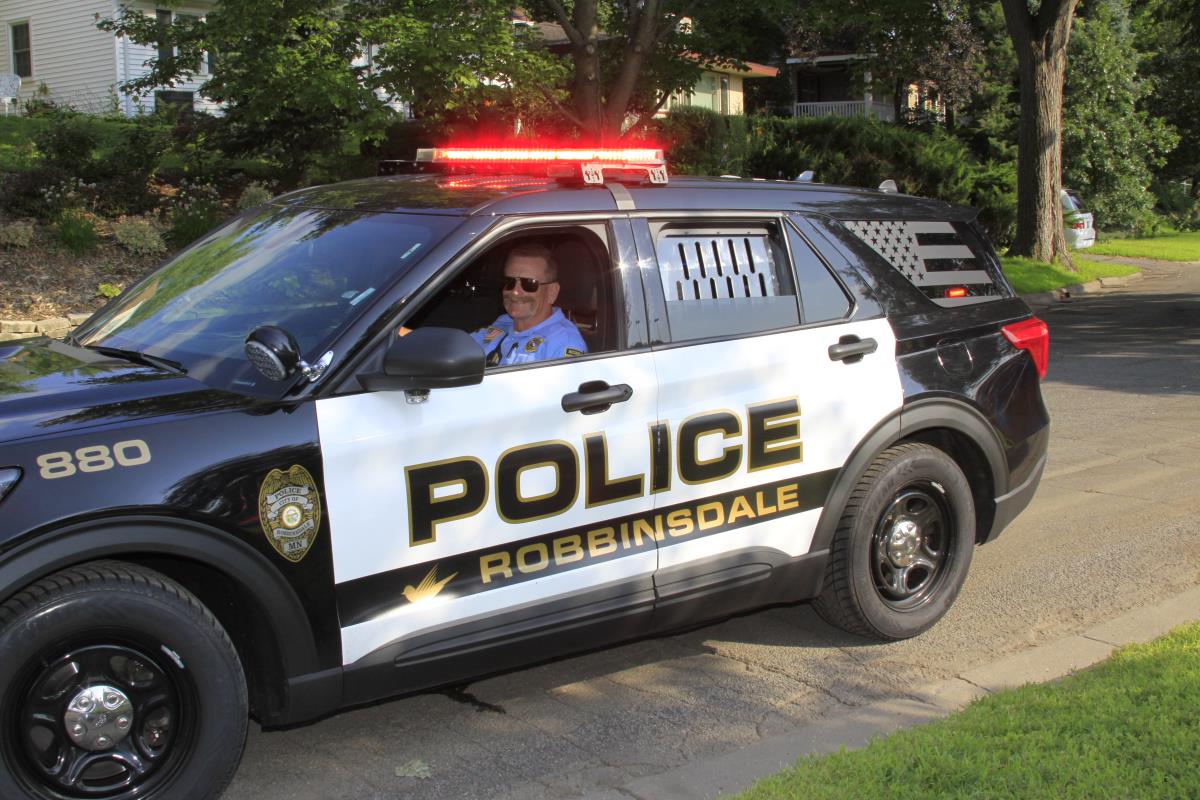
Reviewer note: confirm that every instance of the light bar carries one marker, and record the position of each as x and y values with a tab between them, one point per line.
573	155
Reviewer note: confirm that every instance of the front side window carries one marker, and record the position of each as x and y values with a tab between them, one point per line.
308	271
725	280
540	295
22	50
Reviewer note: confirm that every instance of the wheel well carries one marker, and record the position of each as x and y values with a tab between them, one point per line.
974	464
246	622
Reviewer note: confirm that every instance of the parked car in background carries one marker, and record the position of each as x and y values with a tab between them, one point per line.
1078	223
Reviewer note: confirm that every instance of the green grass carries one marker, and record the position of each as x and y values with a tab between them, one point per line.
16	141
1170	247
1029	276
1127	728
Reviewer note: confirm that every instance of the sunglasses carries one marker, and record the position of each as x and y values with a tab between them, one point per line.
528	285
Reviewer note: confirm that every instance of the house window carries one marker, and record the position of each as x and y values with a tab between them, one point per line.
22	50
165	51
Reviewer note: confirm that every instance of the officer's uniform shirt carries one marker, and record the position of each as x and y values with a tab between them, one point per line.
554	337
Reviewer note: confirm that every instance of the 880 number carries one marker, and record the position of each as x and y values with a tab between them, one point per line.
94	458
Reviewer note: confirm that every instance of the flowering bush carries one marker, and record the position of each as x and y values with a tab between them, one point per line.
194	211
139	237
16	234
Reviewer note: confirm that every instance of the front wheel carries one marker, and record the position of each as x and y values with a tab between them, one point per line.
903	546
117	684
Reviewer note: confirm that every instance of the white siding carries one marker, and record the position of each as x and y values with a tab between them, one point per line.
80	64
132	58
72	57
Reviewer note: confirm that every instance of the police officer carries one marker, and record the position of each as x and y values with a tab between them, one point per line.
533	329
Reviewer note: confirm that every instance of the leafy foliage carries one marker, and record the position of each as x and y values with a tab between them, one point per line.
298	77
77	231
139	237
194	212
16	234
255	194
1165	33
1109	146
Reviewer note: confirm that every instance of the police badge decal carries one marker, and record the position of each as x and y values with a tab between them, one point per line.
289	510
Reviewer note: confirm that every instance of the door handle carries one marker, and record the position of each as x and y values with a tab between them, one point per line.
851	349
596	396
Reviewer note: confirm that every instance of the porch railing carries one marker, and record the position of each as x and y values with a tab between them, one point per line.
845	108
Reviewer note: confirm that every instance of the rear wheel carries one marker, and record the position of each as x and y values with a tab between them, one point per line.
117	684
903	545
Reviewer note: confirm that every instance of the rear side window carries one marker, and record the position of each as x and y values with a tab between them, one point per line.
725	280
946	261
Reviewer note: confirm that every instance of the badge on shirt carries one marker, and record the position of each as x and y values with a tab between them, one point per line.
572	352
532	345
492	334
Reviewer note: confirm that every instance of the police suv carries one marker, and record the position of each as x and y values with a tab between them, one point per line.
237	490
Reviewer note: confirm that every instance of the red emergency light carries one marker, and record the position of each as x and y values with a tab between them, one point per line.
956	291
588	163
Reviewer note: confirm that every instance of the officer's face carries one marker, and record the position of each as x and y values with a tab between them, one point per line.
528	308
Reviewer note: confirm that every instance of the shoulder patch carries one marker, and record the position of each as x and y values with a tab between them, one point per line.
571	351
492	334
532	345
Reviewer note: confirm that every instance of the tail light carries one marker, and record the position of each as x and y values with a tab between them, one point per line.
1031	335
1078	225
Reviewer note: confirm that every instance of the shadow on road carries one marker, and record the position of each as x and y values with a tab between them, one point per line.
1139	343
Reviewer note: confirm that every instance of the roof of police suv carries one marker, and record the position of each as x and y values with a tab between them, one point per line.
504	195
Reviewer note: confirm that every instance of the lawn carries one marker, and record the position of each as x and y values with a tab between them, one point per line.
1170	247
1028	276
1126	728
16	141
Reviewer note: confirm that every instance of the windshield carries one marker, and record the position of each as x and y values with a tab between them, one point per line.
308	271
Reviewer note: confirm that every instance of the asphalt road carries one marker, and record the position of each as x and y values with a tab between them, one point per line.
1113	527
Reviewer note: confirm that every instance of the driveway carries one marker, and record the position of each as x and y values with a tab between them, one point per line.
1113	528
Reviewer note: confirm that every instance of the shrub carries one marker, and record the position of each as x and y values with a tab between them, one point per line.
699	141
139	237
194	213
253	195
77	231
67	142
30	194
865	152
16	234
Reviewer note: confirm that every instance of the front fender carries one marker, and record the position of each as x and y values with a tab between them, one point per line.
130	537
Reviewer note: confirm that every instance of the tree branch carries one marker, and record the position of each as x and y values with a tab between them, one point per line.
565	21
641	39
566	112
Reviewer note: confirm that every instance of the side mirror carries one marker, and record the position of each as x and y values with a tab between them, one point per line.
428	358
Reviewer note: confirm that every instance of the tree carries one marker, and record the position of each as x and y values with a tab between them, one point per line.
1040	32
1166	32
903	42
297	76
1110	146
627	58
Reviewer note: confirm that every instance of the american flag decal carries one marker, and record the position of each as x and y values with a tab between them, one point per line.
930	254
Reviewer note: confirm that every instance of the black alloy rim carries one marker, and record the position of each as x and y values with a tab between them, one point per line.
58	749
911	546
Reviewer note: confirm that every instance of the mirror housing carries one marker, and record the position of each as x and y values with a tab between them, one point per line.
273	352
428	358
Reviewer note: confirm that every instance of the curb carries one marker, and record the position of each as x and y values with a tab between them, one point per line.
737	770
1067	292
54	327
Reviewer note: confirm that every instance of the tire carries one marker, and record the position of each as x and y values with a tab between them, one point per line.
116	684
903	546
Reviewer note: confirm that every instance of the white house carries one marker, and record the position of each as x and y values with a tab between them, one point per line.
55	44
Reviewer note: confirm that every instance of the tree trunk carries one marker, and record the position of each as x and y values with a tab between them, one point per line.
585	51
1041	46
